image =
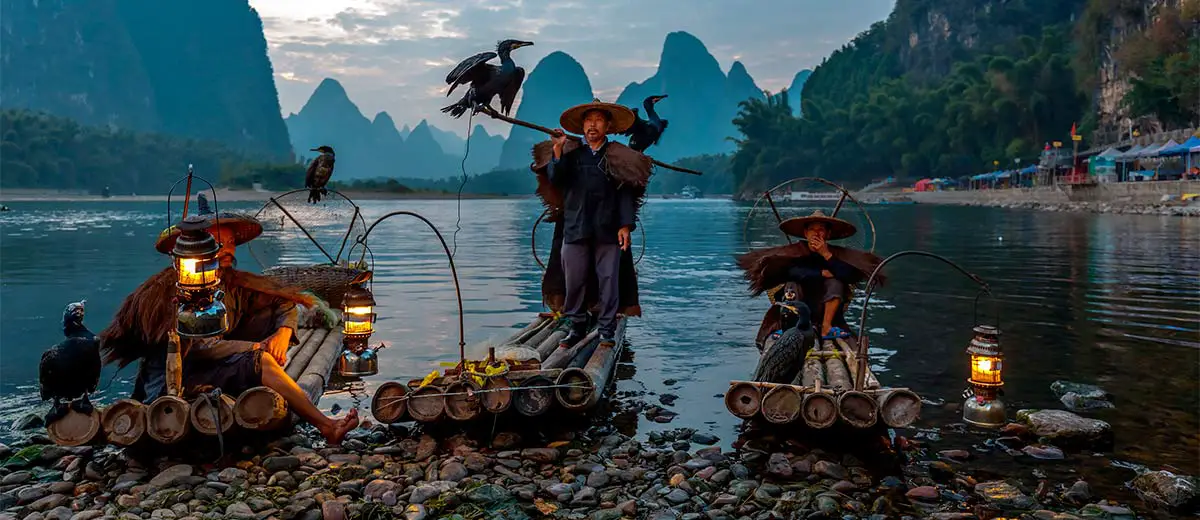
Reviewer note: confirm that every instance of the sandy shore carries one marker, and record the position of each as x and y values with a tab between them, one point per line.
224	195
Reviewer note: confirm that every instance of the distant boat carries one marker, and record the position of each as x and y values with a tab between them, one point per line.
690	192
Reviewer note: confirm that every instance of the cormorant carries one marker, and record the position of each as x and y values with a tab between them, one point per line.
319	172
71	368
645	133
487	81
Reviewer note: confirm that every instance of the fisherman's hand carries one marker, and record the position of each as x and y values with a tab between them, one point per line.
277	345
559	138
623	238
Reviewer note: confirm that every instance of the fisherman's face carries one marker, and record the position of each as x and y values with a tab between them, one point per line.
595	125
225	237
816	233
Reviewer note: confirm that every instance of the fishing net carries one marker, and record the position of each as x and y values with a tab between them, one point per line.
300	233
799	197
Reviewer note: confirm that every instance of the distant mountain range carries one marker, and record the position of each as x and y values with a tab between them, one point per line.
702	102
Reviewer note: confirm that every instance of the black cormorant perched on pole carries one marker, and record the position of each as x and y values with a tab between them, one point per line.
319	172
71	368
487	81
645	132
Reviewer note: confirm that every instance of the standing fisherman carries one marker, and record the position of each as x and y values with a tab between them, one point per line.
594	189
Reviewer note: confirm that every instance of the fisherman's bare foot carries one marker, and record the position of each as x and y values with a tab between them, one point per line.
340	427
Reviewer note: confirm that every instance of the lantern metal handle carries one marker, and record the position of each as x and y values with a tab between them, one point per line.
860	373
462	335
975	307
190	175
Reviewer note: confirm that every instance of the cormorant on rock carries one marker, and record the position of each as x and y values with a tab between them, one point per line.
487	81
319	172
645	133
71	368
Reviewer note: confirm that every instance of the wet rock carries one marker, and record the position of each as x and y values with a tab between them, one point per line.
1043	452
415	512
1105	511
543	455
1078	396
1063	428
955	455
87	515
705	439
49	502
721	476
475	462
427	491
585	497
506	440
376	488
1164	488
677	496
1004	495
779	466
231	475
829	469
171	476
1079	493
488	494
29	421
16	477
924	493
31	494
598	479
952	516
453	472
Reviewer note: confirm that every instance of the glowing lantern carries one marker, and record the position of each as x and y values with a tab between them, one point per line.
201	313
983	406
358	322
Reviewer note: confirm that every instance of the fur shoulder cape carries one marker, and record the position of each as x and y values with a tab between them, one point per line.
146	316
768	268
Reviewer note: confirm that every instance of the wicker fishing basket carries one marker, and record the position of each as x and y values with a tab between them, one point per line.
328	282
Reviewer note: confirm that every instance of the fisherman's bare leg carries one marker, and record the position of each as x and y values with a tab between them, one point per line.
834	289
334	430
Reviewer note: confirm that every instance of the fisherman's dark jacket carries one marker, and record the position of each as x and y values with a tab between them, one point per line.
595	206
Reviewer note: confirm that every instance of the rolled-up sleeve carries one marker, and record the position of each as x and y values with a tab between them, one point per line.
287	314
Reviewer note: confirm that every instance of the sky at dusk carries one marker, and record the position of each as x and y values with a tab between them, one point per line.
393	55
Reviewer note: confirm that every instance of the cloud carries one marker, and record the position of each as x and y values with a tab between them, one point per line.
393	55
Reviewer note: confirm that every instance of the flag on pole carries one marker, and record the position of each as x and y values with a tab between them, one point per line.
1072	129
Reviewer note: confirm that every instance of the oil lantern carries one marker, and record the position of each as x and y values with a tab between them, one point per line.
983	406
201	312
358	322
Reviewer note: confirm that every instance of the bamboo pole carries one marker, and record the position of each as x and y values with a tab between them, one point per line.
124	422
316	375
532	402
858	409
588	382
547	347
426	404
819	410
562	356
520	375
781	405
75	429
837	375
869	380
212	416
389	404
260	408
743	399
813	371
512	120
524	334
499	396
306	353
462	400
899	408
167	419
301	340
536	339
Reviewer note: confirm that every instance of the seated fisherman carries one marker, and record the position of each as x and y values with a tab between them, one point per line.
262	315
823	273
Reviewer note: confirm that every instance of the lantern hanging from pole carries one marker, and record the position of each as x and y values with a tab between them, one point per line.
358	323
201	312
983	406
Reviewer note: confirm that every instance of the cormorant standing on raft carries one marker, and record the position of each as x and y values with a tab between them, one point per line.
319	172
645	133
487	81
71	368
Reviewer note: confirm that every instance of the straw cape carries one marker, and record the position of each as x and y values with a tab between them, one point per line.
245	228
622	117
625	166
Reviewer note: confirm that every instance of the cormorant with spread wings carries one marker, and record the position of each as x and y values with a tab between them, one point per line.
486	80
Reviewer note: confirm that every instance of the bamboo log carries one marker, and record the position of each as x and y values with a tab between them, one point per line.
260	408
317	374
588	382
390	404
781	405
124	422
167	419
426	404
743	399
75	429
462	400
813	371
212	416
562	356
517	376
532	402
870	382
837	375
547	347
537	338
499	396
858	409
819	410
309	352
301	339
899	408
524	334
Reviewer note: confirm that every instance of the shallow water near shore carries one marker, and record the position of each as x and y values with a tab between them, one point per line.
1112	300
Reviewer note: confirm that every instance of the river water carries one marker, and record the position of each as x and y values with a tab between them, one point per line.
1111	300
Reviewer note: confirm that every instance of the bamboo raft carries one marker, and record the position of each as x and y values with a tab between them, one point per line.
573	379
169	420
823	394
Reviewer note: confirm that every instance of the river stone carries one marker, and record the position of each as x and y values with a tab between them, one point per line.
1165	488
454	472
1061	388
1080	492
829	469
1063	427
376	488
231	475
171	476
779	466
32	494
543	455
283	463
87	515
49	502
1043	452
16	477
1004	495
